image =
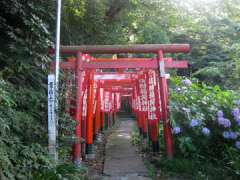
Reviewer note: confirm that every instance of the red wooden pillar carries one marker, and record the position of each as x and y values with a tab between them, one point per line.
139	109
78	110
109	109
98	112
115	108
112	108
101	93
84	112
163	93
109	119
89	138
138	117
145	125
103	120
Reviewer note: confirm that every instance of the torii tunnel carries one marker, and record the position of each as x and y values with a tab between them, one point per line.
94	96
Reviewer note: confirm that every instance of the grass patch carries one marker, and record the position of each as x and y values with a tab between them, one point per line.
62	171
152	171
193	169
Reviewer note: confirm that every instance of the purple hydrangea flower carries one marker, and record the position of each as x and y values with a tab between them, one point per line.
176	130
237	102
226	134
224	122
178	89
236	115
194	122
187	82
238	121
205	131
235	112
220	120
229	135
227	123
220	114
237	118
232	135
237	144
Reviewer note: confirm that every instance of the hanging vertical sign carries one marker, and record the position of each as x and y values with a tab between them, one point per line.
106	101
94	97
143	93
134	100
84	79
112	102
102	99
152	89
84	107
118	101
51	116
138	99
84	94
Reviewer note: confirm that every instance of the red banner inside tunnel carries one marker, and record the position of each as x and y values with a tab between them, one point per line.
153	105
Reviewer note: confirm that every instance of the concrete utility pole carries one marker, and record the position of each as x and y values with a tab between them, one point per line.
57	52
53	81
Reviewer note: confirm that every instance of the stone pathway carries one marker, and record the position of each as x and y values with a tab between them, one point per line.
121	160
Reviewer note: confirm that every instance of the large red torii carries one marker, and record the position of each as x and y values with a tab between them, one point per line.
83	62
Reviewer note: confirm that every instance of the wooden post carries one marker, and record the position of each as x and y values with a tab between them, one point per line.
78	111
89	140
163	93
102	120
98	112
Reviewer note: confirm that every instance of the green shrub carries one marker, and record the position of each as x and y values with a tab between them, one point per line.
204	123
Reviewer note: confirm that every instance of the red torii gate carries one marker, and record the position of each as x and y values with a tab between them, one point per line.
84	65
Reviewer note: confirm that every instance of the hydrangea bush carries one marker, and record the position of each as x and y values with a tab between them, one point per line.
205	122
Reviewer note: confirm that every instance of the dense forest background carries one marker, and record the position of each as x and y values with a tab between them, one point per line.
212	28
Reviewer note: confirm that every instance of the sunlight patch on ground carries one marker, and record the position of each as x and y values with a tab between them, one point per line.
124	135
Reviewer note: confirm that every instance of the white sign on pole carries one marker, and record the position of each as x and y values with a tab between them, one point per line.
51	117
162	68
